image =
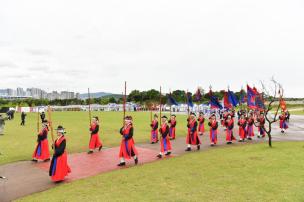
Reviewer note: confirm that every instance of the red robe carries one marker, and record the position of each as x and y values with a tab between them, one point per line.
201	127
192	137
42	149
165	144
172	130
127	147
59	166
94	140
242	128
250	130
154	131
283	124
229	131
213	131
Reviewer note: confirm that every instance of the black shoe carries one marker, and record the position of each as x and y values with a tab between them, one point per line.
121	164
136	161
152	142
100	148
249	138
168	153
241	141
159	156
188	149
198	147
90	152
35	160
46	160
212	145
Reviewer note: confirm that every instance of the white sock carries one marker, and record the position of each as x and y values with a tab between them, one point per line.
122	160
189	146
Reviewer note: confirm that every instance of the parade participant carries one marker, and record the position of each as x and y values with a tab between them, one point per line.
172	130
154	130
94	140
127	147
229	123
250	130
201	126
192	136
165	145
213	124
2	124
242	128
59	167
42	149
283	122
23	115
261	125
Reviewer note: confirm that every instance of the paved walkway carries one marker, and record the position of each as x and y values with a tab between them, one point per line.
24	178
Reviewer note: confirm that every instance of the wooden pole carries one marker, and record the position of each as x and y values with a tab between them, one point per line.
38	120
160	104
51	126
170	106
124	103
89	102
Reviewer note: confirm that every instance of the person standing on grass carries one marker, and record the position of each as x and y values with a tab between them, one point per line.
250	129
165	145
283	122
94	140
154	130
23	115
42	148
261	125
127	146
229	123
172	130
192	136
2	124
213	124
201	125
59	167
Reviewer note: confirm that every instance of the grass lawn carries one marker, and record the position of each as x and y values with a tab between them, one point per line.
19	142
240	173
300	112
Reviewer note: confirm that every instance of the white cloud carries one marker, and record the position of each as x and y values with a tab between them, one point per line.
177	44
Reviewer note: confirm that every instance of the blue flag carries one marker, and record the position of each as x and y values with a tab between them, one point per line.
232	98
172	101
189	100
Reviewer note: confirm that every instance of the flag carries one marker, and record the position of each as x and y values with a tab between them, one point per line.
227	103
283	104
215	104
232	98
198	95
171	100
259	101
243	97
251	94
189	100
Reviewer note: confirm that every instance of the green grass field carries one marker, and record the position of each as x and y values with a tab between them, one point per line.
298	112
239	173
19	142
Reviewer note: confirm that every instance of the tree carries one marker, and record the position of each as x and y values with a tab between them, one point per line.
272	94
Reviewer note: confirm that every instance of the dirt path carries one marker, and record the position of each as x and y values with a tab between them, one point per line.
24	178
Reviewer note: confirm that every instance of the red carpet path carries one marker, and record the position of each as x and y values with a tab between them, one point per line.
84	165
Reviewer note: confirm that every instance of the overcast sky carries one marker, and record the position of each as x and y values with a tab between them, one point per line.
73	45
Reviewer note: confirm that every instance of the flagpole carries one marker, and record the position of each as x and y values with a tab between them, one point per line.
124	103
89	102
51	126
160	104
170	105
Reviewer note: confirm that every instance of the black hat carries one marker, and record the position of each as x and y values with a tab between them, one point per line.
96	117
164	117
61	129
173	115
192	114
129	118
201	113
45	121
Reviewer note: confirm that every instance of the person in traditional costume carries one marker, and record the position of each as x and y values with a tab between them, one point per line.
250	126
192	136
94	140
127	146
261	125
154	130
59	167
165	144
201	125
242	128
229	123
213	124
283	122
41	151
172	129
